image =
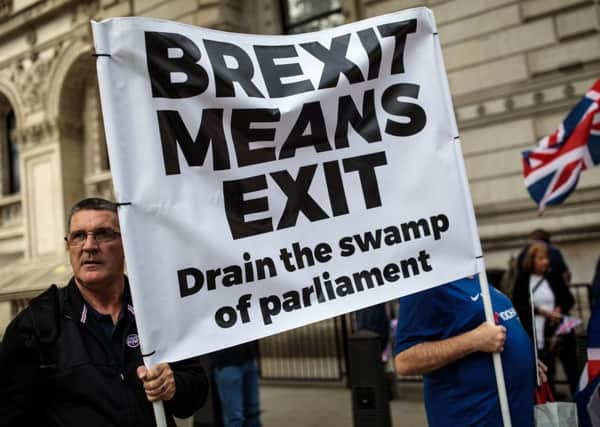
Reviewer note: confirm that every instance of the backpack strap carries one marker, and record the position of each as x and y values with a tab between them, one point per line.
46	312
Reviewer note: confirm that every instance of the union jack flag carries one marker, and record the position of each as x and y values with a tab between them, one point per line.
567	324
552	170
587	397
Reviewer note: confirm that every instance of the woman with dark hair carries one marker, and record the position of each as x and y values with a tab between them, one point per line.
541	299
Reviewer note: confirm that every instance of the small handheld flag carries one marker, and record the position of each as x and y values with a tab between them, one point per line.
552	170
567	325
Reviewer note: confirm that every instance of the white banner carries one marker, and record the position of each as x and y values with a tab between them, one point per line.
274	181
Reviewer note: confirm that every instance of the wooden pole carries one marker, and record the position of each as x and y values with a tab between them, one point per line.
489	317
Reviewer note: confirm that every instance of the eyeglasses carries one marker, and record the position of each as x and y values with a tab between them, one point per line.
101	235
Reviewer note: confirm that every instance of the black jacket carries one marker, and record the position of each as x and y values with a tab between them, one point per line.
59	368
562	295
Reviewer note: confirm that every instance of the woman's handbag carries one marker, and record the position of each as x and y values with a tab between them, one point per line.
549	413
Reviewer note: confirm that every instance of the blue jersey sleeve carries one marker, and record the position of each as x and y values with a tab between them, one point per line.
421	318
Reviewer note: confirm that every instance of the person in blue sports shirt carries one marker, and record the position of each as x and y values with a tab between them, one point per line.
442	335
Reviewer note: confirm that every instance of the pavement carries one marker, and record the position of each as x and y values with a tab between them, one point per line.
327	405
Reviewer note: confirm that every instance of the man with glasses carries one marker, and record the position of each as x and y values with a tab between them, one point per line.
72	358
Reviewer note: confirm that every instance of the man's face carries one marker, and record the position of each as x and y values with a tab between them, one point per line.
96	264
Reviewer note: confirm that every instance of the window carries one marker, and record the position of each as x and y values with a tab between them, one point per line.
13	180
302	16
10	180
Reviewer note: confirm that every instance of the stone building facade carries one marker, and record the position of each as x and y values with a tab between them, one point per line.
515	68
